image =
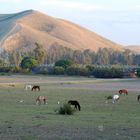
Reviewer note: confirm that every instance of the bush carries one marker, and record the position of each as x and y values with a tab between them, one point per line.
138	72
77	70
12	69
25	71
63	63
50	70
5	69
90	68
66	109
9	69
40	70
44	72
107	73
59	70
15	69
28	63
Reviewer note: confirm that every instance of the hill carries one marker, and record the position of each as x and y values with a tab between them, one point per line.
22	30
134	48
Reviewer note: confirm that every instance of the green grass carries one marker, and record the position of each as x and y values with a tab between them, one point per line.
96	120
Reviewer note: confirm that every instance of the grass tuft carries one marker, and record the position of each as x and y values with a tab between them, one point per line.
66	109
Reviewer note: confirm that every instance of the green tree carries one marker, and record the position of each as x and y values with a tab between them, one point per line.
90	69
28	63
39	53
138	72
63	63
1	63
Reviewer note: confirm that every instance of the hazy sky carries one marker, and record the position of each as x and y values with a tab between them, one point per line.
117	20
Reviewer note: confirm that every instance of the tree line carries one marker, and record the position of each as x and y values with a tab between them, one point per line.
30	65
56	52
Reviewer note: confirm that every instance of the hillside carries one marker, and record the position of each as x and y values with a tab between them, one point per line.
22	30
134	48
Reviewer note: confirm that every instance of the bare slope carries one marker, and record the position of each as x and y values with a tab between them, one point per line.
23	29
134	48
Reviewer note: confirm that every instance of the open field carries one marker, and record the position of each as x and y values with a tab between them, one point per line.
97	119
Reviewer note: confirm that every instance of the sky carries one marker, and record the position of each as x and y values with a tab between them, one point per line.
117	20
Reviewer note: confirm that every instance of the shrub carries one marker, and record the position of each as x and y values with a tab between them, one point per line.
15	69
90	68
138	72
108	73
77	70
25	71
50	70
44	72
28	63
66	109
40	70
59	70
63	63
109	97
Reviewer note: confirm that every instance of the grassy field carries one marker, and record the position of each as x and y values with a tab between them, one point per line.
97	119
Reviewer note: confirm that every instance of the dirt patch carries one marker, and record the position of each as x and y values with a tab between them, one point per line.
108	86
41	132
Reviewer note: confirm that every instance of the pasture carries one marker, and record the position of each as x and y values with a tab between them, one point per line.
22	119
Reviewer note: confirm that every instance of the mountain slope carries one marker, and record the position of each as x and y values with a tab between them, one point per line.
23	29
134	48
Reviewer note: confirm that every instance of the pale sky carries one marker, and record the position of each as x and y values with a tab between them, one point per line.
117	20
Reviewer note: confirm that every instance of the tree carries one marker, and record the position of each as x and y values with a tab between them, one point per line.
28	63
87	56
15	58
90	68
102	56
136	59
39	53
128	57
63	63
138	72
1	63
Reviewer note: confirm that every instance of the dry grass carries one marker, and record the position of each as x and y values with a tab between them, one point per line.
134	48
37	27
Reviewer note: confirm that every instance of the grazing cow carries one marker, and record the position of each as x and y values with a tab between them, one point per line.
39	99
124	91
36	88
75	103
28	87
138	97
